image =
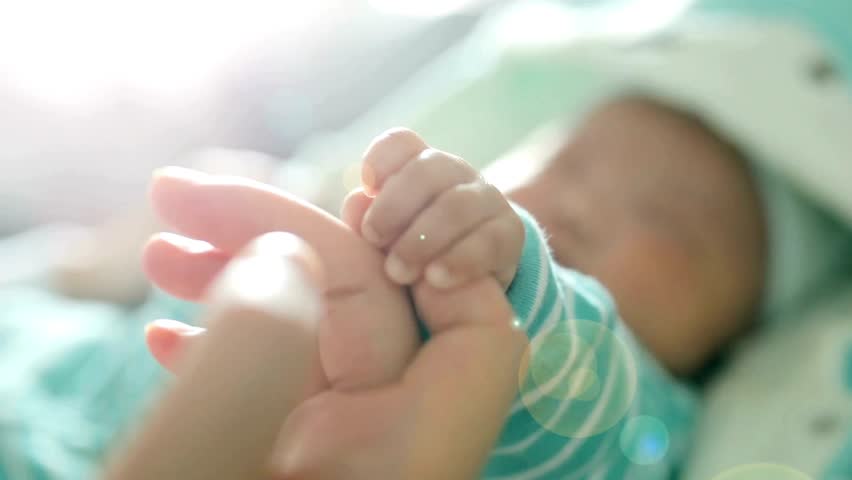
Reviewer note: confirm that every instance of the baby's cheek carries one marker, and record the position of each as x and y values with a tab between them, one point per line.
659	293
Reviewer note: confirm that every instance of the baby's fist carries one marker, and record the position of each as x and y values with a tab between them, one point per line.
436	216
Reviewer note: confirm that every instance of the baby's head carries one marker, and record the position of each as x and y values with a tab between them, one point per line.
666	215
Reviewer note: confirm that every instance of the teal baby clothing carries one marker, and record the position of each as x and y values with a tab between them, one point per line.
73	376
593	402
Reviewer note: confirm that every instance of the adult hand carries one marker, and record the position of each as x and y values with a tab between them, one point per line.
238	384
439	419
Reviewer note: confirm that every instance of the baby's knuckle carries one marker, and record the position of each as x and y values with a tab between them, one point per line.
381	220
429	154
457	261
448	163
463	194
377	222
409	247
494	240
492	193
461	203
426	169
395	141
407	255
434	167
501	237
400	135
515	224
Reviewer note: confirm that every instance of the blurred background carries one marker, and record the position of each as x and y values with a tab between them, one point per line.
96	93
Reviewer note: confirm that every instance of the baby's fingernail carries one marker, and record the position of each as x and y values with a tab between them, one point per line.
186	244
370	234
398	271
173	326
439	277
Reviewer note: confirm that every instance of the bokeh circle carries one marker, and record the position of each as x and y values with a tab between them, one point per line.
644	440
762	471
577	378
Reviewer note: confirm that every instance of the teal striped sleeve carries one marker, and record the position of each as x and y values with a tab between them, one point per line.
592	403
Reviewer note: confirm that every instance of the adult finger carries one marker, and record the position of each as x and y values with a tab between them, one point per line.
228	212
181	266
464	378
236	387
360	347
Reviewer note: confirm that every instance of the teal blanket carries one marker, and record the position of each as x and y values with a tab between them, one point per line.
73	375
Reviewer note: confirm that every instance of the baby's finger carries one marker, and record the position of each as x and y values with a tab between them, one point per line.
228	212
386	154
354	207
411	190
492	249
453	215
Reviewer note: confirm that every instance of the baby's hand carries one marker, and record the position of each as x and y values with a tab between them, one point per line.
436	216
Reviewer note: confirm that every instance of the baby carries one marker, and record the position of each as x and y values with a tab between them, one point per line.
592	401
673	230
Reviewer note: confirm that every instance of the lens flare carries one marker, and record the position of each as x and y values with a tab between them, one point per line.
578	379
644	440
762	471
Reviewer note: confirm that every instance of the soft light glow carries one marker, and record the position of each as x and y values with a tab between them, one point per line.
547	22
422	8
638	17
83	51
644	440
578	379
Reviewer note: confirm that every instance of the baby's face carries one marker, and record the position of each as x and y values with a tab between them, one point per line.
665	215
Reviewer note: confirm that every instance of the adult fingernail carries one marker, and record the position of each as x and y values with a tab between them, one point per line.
398	271
188	245
173	326
439	277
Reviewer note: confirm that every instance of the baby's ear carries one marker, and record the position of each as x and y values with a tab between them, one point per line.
354	207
